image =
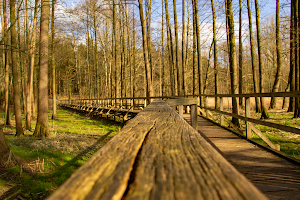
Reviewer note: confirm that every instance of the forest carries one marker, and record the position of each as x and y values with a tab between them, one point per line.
57	50
93	49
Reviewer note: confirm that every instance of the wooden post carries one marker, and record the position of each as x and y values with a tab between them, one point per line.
194	120
180	108
221	115
206	105
247	114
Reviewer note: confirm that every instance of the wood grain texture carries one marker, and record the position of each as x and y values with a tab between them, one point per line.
157	155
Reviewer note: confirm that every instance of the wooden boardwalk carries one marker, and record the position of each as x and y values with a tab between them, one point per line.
275	177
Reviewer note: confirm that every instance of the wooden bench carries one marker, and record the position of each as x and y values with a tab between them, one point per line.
157	155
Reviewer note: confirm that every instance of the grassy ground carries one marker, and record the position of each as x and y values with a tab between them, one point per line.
75	138
289	142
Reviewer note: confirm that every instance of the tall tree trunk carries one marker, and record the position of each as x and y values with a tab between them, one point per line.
194	51
133	54
32	56
148	25
264	111
232	60
26	84
7	158
53	63
14	64
216	63
297	59
162	51
42	129
6	64
253	57
145	50
278	52
240	54
170	48
177	49
115	46
292	56
186	64
183	90
200	87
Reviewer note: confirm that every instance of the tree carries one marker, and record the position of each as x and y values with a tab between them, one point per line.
5	61
53	63
196	18
264	112
170	48
176	49
183	89
278	52
42	129
215	53
232	59
145	50
7	158
253	58
240	54
14	64
292	56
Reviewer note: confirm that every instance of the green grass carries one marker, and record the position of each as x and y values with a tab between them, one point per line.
51	161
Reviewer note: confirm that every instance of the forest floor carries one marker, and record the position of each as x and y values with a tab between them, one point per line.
51	161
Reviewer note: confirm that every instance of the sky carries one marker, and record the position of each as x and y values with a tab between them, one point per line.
267	10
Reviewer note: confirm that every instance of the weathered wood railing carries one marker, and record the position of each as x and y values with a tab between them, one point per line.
247	117
157	155
141	102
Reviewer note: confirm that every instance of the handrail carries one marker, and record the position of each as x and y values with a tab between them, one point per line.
246	118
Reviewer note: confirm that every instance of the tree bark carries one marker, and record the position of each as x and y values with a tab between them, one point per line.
264	111
14	64
216	64
240	54
253	57
297	50
200	86
42	129
6	66
7	158
177	49
145	50
232	60
194	51
53	63
292	56
162	52
170	48
183	90
278	57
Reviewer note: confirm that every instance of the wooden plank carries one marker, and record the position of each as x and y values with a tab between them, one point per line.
106	174
181	101
175	162
264	138
157	155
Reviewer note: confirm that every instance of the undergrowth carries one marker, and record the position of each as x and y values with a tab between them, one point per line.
51	161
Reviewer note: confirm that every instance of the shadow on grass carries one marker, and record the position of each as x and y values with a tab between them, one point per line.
39	186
